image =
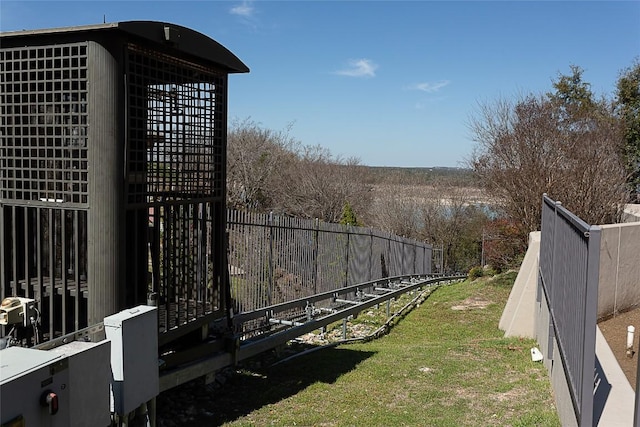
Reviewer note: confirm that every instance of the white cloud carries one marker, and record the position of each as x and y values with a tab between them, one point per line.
245	10
430	87
359	68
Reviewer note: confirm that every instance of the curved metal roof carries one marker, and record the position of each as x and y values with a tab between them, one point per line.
161	33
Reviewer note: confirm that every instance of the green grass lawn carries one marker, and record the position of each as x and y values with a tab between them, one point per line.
444	364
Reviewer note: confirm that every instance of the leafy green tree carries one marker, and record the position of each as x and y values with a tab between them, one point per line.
628	106
572	95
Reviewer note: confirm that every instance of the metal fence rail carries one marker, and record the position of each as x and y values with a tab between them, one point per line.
281	327
274	259
569	264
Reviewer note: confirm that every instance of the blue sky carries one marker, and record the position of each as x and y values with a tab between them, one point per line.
390	82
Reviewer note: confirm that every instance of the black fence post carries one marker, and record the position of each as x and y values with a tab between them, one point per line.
316	247
346	264
270	283
370	254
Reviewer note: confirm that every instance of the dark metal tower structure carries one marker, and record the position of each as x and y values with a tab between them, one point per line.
113	171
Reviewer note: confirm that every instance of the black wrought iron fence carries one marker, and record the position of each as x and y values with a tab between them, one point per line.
274	259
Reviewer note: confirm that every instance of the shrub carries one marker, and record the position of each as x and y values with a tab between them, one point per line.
475	273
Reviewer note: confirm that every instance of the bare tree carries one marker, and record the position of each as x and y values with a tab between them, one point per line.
269	170
445	215
314	184
529	147
398	199
254	156
396	213
454	224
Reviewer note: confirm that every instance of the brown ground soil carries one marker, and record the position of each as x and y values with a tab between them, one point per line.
615	332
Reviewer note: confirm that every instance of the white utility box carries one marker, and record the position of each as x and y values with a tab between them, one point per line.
134	357
68	386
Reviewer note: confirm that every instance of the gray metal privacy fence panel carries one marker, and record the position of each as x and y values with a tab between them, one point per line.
332	257
248	245
276	259
394	257
377	248
359	258
569	263
408	256
423	257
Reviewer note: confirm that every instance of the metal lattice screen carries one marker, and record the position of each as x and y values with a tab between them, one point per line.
176	128
113	171
44	180
43	123
175	168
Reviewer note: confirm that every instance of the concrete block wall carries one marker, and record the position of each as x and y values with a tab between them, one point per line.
619	277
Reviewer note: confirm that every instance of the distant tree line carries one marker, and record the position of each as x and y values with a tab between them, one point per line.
578	148
457	176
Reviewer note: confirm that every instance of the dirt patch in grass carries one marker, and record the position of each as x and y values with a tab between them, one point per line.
472	303
509	396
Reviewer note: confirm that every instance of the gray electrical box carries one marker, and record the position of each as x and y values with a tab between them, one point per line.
134	357
74	378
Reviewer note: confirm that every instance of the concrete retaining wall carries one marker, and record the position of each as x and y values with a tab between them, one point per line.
518	316
619	280
631	213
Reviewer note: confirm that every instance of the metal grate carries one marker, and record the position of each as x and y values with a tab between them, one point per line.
48	263
43	124
176	128
175	164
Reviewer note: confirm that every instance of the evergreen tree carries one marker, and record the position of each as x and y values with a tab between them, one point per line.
628	105
348	215
572	95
